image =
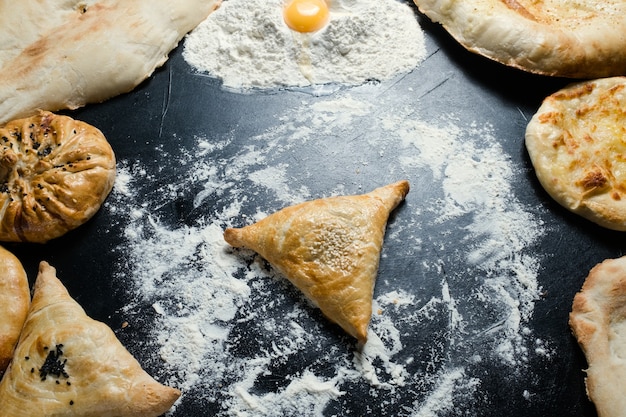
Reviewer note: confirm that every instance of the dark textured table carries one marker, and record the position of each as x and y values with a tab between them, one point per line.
166	112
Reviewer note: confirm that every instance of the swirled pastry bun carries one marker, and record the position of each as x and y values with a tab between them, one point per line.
55	173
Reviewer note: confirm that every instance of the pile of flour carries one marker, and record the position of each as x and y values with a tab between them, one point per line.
247	44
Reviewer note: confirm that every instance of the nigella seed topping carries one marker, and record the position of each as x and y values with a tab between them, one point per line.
53	364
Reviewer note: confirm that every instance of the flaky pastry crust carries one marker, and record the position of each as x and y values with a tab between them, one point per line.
577	39
598	321
328	248
577	144
67	364
55	173
14	302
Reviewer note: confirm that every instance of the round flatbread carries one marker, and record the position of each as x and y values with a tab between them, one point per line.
14	303
598	321
55	173
578	39
577	145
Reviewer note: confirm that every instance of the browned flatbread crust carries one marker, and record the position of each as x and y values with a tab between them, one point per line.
14	302
73	53
598	320
577	143
328	248
578	39
67	364
55	173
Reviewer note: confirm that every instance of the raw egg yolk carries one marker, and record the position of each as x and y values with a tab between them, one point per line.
306	15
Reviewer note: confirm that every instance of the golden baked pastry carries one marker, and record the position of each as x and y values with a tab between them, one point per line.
578	39
64	54
598	320
67	364
14	302
329	249
55	173
577	144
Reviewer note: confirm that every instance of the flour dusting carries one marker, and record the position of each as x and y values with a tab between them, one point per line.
247	44
238	339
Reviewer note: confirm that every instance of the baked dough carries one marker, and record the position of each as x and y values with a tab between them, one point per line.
67	364
55	173
73	53
14	302
580	38
577	145
598	320
329	249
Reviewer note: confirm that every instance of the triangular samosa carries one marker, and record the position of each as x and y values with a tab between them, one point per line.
67	364
330	249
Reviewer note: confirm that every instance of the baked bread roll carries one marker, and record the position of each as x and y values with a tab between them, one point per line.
578	39
55	173
67	364
14	302
329	249
577	141
76	52
598	321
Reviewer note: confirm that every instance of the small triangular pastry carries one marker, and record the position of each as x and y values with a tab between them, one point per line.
67	364
328	248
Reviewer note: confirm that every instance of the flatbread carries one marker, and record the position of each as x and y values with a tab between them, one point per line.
577	144
579	39
55	173
14	302
598	321
328	248
67	364
73	53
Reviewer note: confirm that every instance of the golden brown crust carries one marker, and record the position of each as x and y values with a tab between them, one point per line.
577	144
67	364
329	249
55	173
579	39
14	302
598	321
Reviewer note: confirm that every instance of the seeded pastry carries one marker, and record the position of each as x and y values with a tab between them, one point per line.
76	53
328	248
14	302
598	320
67	364
55	173
577	145
579	39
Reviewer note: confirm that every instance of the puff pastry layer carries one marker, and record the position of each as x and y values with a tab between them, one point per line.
67	364
330	249
55	173
14	303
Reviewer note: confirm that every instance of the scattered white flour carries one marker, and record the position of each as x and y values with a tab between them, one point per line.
247	44
239	340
